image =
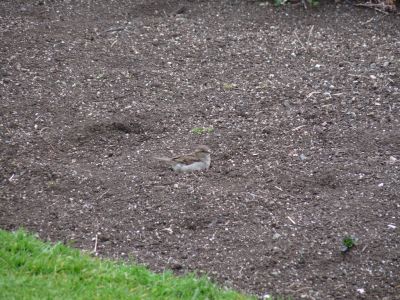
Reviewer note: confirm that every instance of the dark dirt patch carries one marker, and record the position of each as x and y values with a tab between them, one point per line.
306	140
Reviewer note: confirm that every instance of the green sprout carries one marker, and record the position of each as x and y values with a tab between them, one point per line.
348	243
280	2
202	130
313	3
229	86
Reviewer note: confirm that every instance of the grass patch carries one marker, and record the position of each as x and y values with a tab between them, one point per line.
32	269
202	130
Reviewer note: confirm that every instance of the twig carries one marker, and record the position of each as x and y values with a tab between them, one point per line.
101	196
300	289
41	131
309	35
369	21
298	127
115	29
359	76
377	6
382	11
95	244
113	43
291	220
301	43
312	93
308	39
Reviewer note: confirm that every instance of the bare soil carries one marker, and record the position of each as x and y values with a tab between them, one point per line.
304	106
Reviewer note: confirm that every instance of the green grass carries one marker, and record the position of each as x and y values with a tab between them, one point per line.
31	269
202	130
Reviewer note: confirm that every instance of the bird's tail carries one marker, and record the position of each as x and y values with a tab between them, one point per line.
162	158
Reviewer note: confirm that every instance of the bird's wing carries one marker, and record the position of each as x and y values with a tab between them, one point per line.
185	159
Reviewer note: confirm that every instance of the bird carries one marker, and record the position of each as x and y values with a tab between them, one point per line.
200	159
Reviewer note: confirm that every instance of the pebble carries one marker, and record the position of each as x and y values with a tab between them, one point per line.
276	236
361	291
275	273
276	250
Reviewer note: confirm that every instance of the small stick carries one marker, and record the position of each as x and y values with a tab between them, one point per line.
359	76
369	21
41	131
312	93
382	11
95	245
302	45
298	127
113	43
115	29
375	6
291	220
12	176
101	196
309	35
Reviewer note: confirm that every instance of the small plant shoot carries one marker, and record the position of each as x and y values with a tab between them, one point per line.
348	243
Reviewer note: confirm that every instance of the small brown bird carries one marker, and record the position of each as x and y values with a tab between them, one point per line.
200	159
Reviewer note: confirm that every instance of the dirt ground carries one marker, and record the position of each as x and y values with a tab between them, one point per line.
302	108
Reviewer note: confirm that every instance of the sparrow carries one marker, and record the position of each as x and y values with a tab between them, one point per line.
200	159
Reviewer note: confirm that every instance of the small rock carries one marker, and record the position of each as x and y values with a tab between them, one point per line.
276	236
276	250
303	157
392	226
386	64
392	160
373	77
275	273
381	184
361	291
